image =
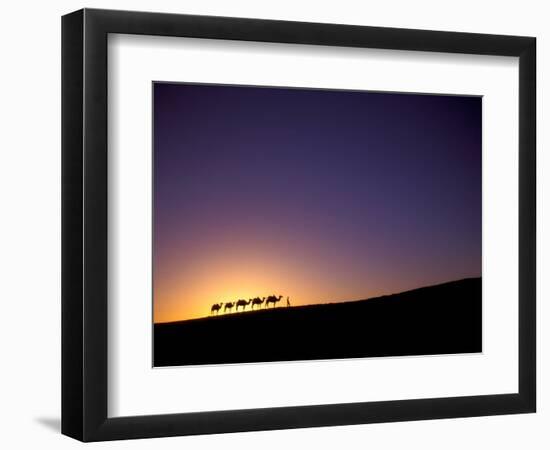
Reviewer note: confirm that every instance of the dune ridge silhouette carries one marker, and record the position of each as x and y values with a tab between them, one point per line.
439	319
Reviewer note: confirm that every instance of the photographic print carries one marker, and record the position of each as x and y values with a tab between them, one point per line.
310	224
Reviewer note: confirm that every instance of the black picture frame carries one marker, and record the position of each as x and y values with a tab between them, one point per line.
84	224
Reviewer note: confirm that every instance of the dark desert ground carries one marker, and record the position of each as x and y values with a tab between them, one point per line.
444	318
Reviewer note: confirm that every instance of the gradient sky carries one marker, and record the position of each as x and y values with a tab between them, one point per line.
320	195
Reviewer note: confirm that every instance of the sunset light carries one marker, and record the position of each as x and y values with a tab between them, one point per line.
319	196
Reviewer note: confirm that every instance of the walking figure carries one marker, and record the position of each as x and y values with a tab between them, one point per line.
287	302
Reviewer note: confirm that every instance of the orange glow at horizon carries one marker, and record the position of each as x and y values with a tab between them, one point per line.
265	269
192	288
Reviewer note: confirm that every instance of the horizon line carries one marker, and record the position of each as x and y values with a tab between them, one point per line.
325	303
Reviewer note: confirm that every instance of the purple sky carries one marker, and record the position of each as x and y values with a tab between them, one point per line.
320	195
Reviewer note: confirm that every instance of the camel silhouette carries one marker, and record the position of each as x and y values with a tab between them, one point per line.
242	302
273	299
216	308
257	301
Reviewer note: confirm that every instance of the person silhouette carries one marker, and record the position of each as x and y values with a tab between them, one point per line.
287	302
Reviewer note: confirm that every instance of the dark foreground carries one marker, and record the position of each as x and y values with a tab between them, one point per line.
432	320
